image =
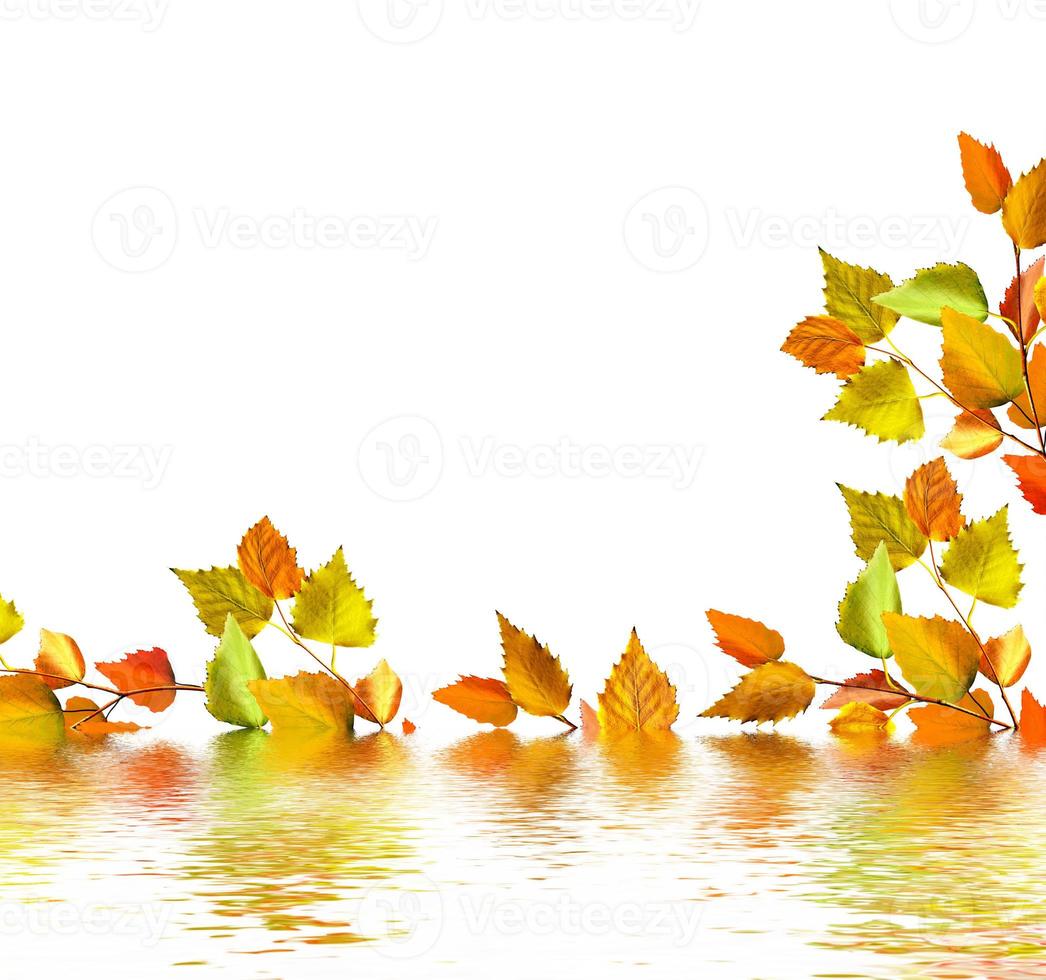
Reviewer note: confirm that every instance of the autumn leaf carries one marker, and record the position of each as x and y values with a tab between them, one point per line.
938	657
982	562
332	608
860	613
876	517
637	695
981	368
140	670
26	702
1033	719
229	674
483	699
771	692
77	712
589	720
860	688
1039	293
1006	657
848	292
305	703
409	728
974	434
382	691
222	592
1024	210
11	621
748	641
986	176
536	680
1031	478
1026	313
60	657
933	501
268	562
881	400
938	725
1022	412
930	291
827	345
858	718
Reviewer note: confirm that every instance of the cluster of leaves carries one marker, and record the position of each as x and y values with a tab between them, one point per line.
637	695
235	603
982	369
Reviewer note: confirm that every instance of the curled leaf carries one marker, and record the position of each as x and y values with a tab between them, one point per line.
976	433
60	657
382	691
1025	312
483	699
1006	657
771	692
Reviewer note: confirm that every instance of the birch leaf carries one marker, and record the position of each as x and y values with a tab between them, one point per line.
1033	719
140	670
861	688
637	695
222	592
382	691
535	679
827	345
1006	657
771	692
975	434
332	608
876	517
933	501
268	561
937	725
1024	210
981	368
938	657
229	674
748	641
930	291
861	611
26	702
848	292
60	656
11	621
982	562
986	176
881	400
483	699
1031	478
859	717
305	703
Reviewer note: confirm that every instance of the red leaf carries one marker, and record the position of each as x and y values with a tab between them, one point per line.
1031	477
1033	720
884	700
1029	318
140	670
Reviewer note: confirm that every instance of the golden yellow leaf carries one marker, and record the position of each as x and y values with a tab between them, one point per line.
827	345
26	702
938	725
1024	210
770	692
981	367
382	691
535	679
938	657
748	641
61	657
483	699
268	562
933	501
859	717
637	696
305	702
1007	657
974	434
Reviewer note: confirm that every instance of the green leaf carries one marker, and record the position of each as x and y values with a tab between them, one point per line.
982	562
879	517
222	592
981	368
930	290
234	666
848	295
881	400
332	608
938	657
11	621
861	611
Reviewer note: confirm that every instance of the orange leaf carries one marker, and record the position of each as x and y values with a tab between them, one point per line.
268	562
1024	210
1027	313
986	176
1021	412
933	501
409	728
882	698
483	699
1033	719
140	670
383	691
78	709
974	434
748	641
827	345
60	656
938	725
1009	655
1031	477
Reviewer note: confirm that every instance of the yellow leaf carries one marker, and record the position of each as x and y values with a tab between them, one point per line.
536	680
770	692
61	657
483	699
859	717
382	691
982	562
876	517
827	345
974	434
222	592
938	725
26	702
848	292
268	562
332	608
881	400
981	367
305	702
11	621
1007	657
637	695
1024	210
937	656
748	641
933	501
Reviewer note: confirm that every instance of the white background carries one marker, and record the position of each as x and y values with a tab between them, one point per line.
532	141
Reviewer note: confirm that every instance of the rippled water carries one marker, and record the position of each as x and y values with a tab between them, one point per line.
741	856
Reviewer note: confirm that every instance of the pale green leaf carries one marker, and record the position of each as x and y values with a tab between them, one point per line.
234	666
879	517
930	290
861	611
881	400
221	592
848	292
332	608
982	562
